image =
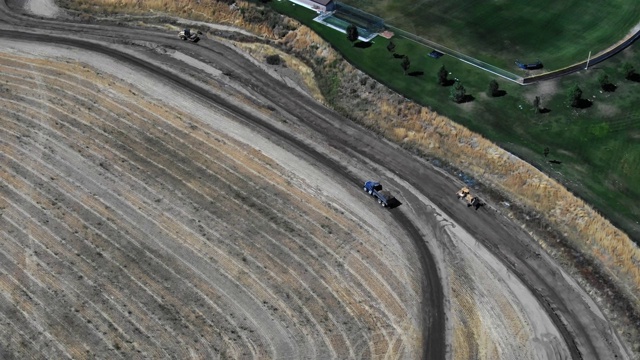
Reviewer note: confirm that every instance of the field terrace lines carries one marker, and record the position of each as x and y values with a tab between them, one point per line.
165	216
139	206
51	285
153	197
226	168
391	292
79	254
88	199
56	246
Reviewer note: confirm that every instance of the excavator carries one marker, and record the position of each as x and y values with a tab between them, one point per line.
471	200
187	34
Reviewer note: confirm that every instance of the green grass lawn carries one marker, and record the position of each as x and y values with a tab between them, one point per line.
599	146
559	33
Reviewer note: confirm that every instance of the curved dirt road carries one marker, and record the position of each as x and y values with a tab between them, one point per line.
335	142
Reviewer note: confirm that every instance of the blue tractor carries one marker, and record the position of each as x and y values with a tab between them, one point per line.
375	189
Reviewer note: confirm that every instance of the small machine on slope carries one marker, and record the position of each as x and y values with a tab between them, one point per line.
375	189
187	34
471	200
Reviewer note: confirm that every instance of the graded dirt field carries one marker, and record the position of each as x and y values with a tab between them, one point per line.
130	227
221	216
150	231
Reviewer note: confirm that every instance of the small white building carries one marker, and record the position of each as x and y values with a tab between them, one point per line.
317	5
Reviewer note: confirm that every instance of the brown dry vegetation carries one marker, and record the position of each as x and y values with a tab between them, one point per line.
259	51
130	227
242	14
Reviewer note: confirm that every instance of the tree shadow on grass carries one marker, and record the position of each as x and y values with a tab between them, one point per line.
500	93
544	111
468	98
635	77
609	88
584	104
362	45
448	82
397	56
416	73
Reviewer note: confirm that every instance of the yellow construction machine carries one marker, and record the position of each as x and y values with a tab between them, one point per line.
471	200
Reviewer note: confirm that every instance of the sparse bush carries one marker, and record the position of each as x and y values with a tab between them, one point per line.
352	33
274	59
494	89
391	47
605	83
574	96
442	76
629	71
406	64
458	93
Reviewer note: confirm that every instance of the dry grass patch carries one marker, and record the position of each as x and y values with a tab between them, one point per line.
243	14
260	51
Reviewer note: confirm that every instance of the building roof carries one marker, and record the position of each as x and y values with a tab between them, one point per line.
322	2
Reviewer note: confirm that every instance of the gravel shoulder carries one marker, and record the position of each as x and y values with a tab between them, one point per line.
44	8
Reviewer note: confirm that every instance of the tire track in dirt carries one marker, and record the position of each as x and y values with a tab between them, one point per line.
187	145
168	219
111	152
61	195
149	284
227	169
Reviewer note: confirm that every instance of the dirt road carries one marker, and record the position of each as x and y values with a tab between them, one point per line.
422	281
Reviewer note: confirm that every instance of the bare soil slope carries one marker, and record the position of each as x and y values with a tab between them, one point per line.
132	227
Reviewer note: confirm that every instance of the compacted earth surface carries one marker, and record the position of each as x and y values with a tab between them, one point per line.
143	219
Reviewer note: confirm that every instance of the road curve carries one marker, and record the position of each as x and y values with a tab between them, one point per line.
585	335
433	305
